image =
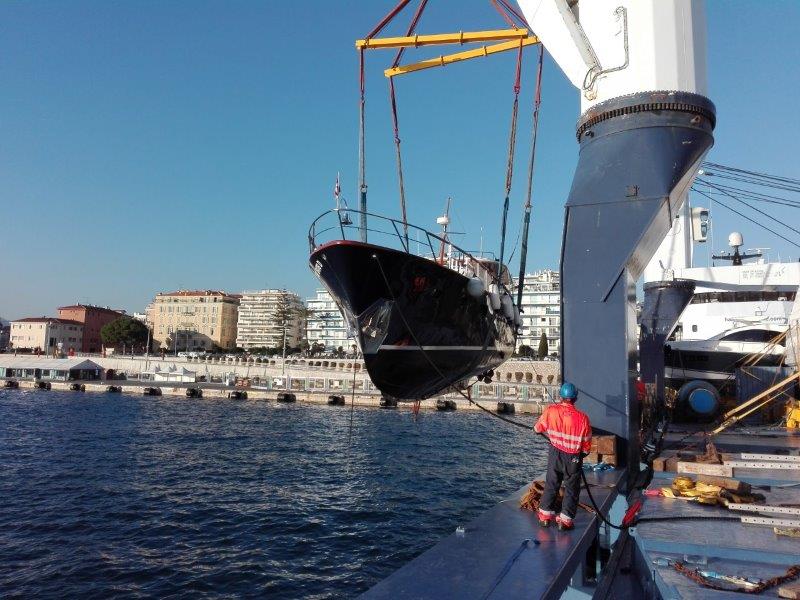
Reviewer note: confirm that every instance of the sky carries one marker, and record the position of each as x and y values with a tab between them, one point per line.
151	146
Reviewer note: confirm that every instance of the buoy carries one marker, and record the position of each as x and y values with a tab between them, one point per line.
506	408
444	404
387	402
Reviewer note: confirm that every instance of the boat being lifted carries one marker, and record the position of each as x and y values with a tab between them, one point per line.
426	320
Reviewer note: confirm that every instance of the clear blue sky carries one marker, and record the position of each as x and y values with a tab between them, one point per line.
147	146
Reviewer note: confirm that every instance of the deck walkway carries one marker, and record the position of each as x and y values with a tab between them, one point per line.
726	547
502	554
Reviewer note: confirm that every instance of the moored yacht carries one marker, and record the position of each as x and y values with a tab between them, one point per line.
738	313
716	358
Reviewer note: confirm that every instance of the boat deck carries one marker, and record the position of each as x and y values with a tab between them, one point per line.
716	544
502	554
505	554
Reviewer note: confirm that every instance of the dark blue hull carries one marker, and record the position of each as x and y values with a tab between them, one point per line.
419	329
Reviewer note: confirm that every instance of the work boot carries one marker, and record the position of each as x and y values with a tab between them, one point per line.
545	518
564	523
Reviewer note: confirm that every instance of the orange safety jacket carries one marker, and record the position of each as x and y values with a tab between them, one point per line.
567	427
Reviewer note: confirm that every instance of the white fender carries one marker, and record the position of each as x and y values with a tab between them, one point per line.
494	301
508	307
475	287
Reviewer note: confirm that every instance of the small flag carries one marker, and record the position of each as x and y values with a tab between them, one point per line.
336	189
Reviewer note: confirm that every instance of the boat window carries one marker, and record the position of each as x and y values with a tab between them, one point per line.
751	335
743	296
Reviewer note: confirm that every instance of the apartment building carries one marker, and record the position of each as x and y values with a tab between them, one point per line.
47	334
541	310
194	320
262	316
93	319
325	324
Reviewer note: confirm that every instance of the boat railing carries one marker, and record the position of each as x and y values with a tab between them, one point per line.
342	224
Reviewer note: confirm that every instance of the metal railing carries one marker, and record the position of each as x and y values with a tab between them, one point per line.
429	245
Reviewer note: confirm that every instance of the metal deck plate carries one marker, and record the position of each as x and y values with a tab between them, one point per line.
475	563
730	547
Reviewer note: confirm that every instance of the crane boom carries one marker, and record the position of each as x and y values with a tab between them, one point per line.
645	126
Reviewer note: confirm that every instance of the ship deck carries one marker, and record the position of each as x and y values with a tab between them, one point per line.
505	554
712	541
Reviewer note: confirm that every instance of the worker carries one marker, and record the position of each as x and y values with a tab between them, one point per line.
570	435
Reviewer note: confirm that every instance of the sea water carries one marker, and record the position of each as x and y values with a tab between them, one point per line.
127	496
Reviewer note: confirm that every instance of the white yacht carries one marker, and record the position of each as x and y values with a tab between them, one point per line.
738	313
716	358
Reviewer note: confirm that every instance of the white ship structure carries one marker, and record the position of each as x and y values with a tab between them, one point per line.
739	313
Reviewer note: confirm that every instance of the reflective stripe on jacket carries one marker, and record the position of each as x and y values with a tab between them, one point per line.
567	427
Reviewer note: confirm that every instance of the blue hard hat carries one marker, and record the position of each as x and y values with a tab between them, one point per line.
568	391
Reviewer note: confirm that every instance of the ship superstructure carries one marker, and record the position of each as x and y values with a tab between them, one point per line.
739	309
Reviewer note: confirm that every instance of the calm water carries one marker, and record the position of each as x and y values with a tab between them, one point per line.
128	496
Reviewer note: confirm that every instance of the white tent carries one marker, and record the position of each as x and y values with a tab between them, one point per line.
173	373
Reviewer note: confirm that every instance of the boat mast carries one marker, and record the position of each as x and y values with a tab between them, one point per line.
444	221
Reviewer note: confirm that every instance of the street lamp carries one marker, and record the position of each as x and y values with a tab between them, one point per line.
283	362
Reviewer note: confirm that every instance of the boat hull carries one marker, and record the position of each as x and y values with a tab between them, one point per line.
682	365
419	329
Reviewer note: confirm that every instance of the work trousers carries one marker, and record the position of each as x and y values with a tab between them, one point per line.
567	468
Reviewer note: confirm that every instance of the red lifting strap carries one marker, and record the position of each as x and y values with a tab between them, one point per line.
509	21
392	14
411	27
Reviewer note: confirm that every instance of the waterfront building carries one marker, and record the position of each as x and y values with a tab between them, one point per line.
5	335
262	316
47	334
194	320
541	310
56	369
93	319
325	324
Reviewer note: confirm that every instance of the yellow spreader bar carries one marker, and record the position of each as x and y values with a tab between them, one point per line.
461	37
448	59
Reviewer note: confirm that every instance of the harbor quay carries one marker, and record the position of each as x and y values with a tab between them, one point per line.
520	386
